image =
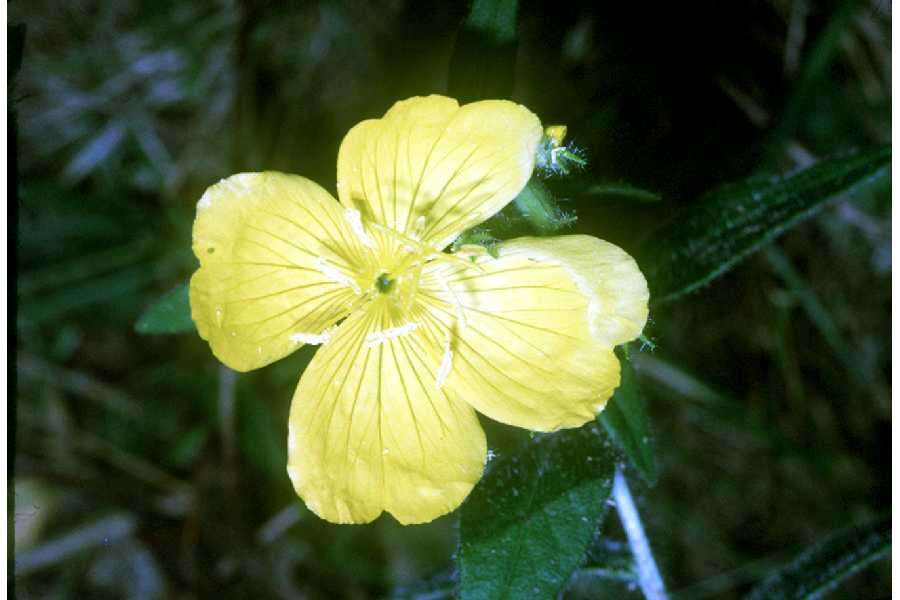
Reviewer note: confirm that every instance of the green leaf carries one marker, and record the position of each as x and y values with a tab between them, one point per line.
822	568
170	314
625	419
729	224
484	56
525	528
622	190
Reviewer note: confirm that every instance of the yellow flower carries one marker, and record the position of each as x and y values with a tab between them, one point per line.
414	340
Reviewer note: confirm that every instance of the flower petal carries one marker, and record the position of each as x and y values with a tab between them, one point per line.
431	169
278	263
605	273
534	330
370	430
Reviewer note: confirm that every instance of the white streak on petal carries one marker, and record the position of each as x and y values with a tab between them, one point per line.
354	217
379	337
446	366
335	275
302	337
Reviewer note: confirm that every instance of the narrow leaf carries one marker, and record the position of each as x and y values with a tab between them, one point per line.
733	420
818	314
170	314
62	274
484	57
526	527
98	533
826	47
622	190
820	569
729	224
122	286
96	151
625	419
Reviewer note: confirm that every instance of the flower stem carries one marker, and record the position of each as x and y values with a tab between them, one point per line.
648	574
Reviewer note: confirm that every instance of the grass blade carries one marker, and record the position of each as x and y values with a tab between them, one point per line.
820	569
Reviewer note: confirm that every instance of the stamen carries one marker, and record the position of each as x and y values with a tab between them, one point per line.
315	339
335	275
354	217
460	315
379	337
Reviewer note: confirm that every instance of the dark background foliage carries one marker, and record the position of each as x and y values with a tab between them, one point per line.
769	389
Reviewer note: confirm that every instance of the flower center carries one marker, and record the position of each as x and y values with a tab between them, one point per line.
383	283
